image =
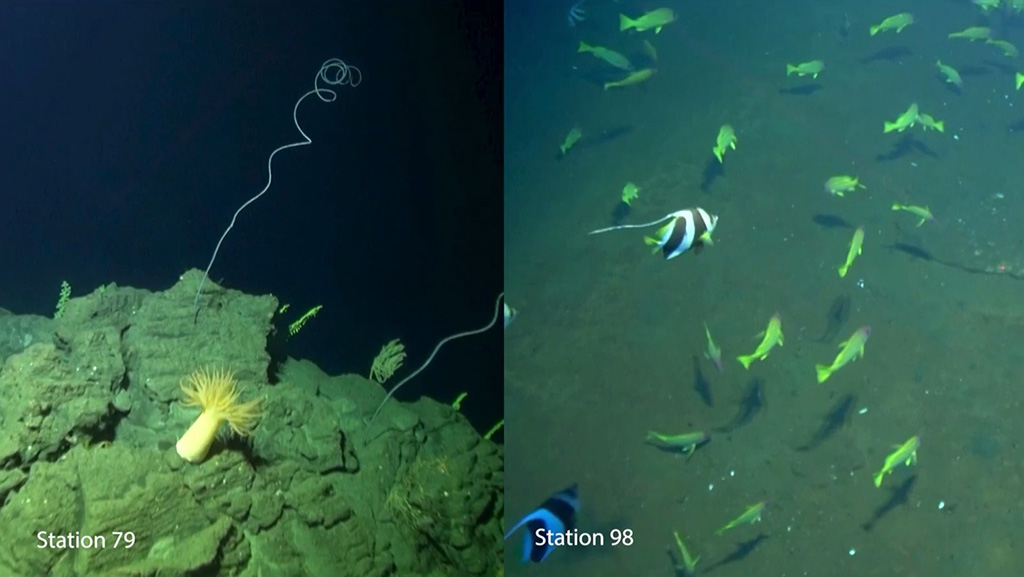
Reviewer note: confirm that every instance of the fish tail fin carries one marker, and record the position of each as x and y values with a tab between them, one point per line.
875	29
745	360
718	153
823	372
584	47
790	69
890	126
842	271
895	206
878	478
625	23
654	243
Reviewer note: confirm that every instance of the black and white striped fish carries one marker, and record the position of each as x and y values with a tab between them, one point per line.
686	229
556	516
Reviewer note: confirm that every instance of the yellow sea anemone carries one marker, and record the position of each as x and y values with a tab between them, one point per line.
216	393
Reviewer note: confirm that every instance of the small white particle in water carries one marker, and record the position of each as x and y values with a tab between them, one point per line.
956	137
732	473
862	410
914	164
711	486
942	504
853	552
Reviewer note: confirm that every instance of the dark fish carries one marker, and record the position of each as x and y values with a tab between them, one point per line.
844	28
557	515
837	416
831	221
909	249
838	314
751	404
620	212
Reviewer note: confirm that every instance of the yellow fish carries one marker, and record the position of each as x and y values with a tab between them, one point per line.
855	249
630	192
839	185
714	353
686	443
689	563
905	121
811	68
951	74
610	56
929	123
1009	50
726	139
849	350
919	211
772	336
905	453
654	19
973	33
634	78
572	138
897	23
751	515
